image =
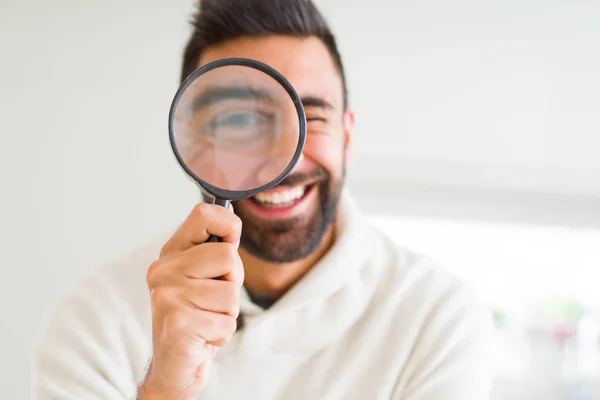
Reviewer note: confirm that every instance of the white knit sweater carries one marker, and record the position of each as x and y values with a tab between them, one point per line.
371	321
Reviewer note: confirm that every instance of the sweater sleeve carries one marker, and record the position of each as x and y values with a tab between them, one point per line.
453	359
88	350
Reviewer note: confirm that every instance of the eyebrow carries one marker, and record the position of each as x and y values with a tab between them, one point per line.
314	101
213	95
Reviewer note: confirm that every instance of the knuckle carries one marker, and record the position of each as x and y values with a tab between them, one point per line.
237	224
229	255
152	274
162	298
240	273
232	292
236	267
232	298
229	326
219	327
202	210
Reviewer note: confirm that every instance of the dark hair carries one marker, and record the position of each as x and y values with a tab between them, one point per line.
218	21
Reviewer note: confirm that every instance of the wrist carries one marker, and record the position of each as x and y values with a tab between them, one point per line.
150	390
146	392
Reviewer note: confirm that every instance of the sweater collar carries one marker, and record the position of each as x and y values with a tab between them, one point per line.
308	308
335	267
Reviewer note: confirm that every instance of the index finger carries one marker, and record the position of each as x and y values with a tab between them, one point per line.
205	220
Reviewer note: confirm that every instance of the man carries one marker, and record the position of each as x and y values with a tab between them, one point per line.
302	299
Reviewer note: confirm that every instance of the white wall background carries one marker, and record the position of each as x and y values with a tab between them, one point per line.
491	108
487	110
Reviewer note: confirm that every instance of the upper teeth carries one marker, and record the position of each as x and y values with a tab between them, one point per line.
281	196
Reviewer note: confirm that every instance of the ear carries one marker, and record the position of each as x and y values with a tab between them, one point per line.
349	123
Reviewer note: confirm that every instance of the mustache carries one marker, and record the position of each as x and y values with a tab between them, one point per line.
318	174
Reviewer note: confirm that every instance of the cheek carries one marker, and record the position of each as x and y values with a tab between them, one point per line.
325	150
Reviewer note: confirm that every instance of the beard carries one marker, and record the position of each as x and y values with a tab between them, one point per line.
284	241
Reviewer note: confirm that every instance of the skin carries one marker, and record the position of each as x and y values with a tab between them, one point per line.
195	287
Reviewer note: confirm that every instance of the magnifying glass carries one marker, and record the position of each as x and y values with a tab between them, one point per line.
237	127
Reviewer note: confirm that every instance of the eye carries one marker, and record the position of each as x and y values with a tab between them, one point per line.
241	128
240	118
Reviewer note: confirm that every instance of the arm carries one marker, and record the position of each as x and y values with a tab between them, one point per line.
92	348
99	341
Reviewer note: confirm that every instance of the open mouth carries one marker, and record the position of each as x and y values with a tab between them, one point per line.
282	198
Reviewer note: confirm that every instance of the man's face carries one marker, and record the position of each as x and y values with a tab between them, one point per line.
287	223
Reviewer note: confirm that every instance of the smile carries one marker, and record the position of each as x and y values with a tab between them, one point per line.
283	202
280	198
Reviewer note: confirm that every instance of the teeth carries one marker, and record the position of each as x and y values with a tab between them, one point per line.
281	197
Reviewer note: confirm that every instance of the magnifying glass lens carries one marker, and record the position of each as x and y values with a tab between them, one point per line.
236	128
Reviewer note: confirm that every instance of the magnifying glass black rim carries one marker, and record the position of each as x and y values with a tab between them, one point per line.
234	195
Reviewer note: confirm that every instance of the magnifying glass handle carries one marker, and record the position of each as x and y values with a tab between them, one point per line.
222	203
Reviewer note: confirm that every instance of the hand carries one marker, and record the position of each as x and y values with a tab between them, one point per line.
194	288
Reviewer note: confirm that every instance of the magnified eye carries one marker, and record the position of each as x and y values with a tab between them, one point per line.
241	127
240	119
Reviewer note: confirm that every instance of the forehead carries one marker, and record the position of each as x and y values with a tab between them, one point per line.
305	62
